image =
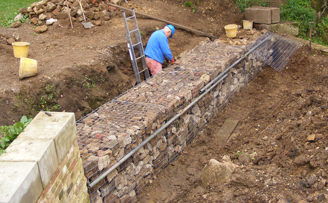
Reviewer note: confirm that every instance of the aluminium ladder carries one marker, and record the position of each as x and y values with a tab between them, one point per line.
139	45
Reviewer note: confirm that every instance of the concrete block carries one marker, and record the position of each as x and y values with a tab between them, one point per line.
258	14
266	15
34	150
19	182
59	126
275	15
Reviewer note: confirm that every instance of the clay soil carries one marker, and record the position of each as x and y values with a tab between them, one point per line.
280	144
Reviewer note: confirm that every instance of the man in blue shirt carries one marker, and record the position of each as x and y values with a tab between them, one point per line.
158	49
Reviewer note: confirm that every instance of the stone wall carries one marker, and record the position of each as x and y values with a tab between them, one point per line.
118	127
43	164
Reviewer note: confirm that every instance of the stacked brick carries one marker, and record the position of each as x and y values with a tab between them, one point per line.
116	128
68	184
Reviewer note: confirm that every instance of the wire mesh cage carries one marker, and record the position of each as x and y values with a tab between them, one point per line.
129	140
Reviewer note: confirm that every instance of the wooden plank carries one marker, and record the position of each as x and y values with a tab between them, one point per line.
227	129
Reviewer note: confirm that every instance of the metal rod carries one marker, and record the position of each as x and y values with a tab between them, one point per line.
166	21
128	155
232	65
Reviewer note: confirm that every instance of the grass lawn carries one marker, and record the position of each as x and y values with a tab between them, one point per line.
9	9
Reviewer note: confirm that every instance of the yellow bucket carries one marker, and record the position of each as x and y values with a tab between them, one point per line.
247	24
231	30
20	49
27	68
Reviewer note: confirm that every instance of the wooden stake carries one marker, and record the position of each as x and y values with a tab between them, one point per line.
168	22
69	14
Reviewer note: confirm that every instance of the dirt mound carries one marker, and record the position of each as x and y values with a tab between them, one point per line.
79	69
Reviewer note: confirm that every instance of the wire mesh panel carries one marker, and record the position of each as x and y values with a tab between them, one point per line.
275	51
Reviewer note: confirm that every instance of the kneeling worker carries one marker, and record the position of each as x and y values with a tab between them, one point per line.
158	49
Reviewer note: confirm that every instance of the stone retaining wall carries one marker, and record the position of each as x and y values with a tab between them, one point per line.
43	164
116	128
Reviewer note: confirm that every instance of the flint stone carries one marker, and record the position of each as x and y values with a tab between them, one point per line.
16	24
23	11
42	16
301	160
112	175
89	14
51	7
62	15
50	21
311	138
98	15
244	159
38	12
120	181
18	17
216	172
10	40
244	180
97	22
106	189
310	180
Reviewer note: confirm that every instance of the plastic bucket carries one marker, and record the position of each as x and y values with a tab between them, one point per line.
20	49
27	67
231	30
248	24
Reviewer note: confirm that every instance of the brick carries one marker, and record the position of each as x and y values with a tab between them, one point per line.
54	177
72	164
63	163
46	190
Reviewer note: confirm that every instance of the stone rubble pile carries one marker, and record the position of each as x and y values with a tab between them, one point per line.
46	12
119	126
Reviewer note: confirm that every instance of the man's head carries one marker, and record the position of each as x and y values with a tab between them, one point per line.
169	31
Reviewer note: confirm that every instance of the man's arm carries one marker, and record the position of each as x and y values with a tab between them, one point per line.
164	44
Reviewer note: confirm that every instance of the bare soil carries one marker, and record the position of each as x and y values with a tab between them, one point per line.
280	144
279	113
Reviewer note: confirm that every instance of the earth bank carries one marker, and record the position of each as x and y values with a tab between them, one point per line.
79	69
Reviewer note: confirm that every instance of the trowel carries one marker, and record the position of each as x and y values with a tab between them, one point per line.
85	24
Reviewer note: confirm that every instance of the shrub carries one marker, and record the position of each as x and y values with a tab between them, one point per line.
243	4
10	133
299	11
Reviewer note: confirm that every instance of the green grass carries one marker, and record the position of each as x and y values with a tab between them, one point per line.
9	9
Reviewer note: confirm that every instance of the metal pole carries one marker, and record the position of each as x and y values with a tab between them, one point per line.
232	65
311	25
102	176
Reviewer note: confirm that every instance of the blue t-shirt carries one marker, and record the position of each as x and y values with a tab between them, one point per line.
158	47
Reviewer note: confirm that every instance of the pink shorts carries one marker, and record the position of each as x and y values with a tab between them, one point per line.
153	66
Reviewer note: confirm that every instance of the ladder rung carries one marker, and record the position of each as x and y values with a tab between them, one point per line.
139	57
130	17
136	44
143	70
133	31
